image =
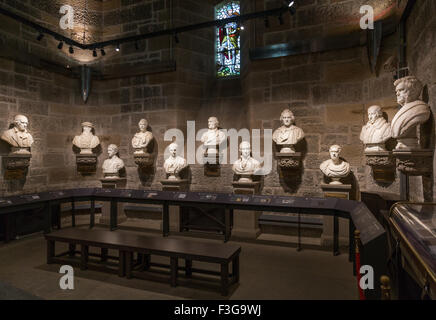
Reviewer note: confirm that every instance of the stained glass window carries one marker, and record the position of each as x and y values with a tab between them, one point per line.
228	40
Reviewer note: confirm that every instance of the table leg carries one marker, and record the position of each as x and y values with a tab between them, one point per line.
50	251
227	225
147	261
335	235
224	279
73	213
104	252
129	258
113	214
58	216
122	264
235	269
188	267
166	220
174	271
92	216
84	257
299	233
48	216
8	227
72	249
351	229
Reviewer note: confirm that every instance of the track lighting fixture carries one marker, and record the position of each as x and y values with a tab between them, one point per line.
71	50
103	53
94	53
60	45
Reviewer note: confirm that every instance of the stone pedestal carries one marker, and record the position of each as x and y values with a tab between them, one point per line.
414	162
86	163
289	161
112	183
245	222
174	185
16	166
211	160
382	164
341	191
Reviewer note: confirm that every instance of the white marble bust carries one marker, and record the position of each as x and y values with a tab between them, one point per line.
246	165
18	137
87	140
142	139
174	164
377	131
335	167
288	135
413	112
114	164
213	137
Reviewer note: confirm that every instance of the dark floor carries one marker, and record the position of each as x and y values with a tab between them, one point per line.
267	272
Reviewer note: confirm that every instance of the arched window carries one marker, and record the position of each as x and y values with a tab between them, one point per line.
228	40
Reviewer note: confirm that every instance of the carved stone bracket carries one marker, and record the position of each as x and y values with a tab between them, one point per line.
416	162
86	163
289	161
16	166
143	160
382	164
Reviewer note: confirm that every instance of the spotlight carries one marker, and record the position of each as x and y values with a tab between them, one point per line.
71	50
266	22
60	45
176	38
94	53
292	9
291	4
242	28
39	38
103	53
117	49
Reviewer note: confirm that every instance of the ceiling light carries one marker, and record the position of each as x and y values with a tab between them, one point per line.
60	45
117	49
71	50
94	53
103	53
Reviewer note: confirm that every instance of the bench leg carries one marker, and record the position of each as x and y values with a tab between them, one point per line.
71	249
92	215
146	262
50	251
122	264
140	259
227	225
174	271
224	279
336	236
188	267
129	260
235	269
165	220
104	252
73	213
84	257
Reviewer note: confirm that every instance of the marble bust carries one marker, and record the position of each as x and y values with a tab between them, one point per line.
335	168
18	137
142	139
87	140
376	132
288	135
174	164
246	166
213	137
114	164
413	112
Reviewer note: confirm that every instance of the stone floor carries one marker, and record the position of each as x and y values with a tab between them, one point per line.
267	272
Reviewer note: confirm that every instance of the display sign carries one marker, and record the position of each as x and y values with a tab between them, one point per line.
261	200
30	197
5	202
207	196
239	198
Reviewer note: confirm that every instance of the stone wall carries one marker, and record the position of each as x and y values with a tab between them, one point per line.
421	54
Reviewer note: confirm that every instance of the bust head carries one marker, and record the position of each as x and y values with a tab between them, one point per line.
143	125
245	149
87	127
335	151
112	150
173	149
374	112
408	89
21	122
287	118
213	123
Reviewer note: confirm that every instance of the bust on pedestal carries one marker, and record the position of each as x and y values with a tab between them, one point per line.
412	159
335	168
374	136
20	141
212	140
245	168
141	143
87	160
112	167
173	166
286	137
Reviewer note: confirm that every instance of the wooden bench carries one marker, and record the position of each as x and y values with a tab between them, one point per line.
145	246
